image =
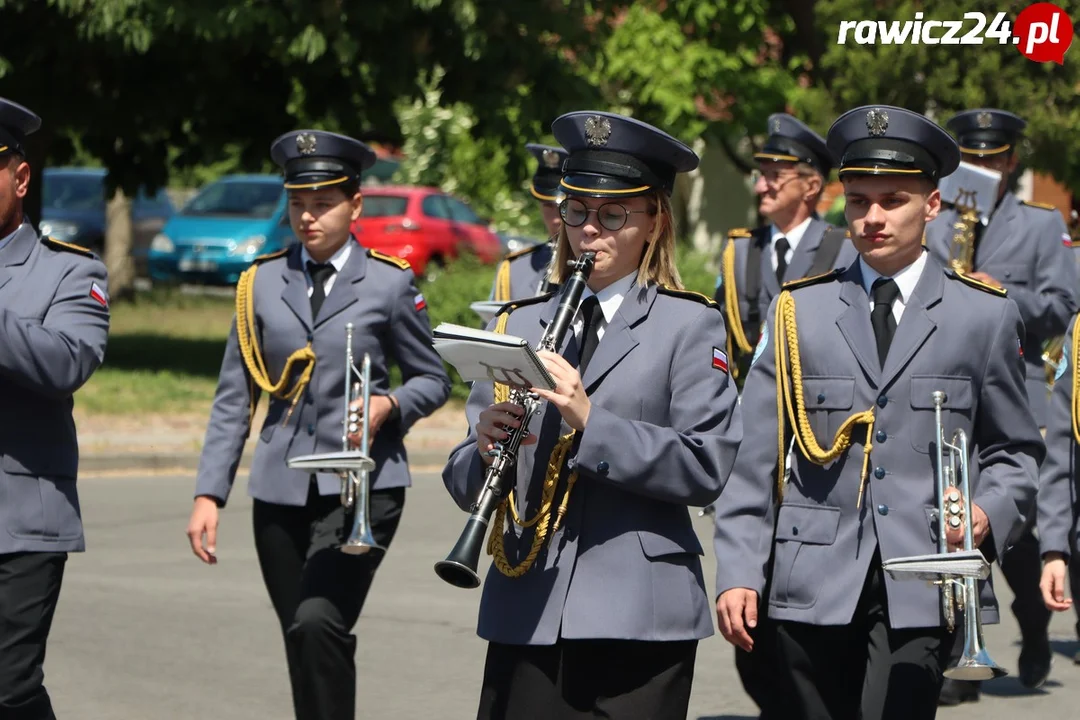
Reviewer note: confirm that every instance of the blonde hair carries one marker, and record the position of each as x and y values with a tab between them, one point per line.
657	262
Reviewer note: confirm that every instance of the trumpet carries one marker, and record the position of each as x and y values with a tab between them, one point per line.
955	573
459	567
352	465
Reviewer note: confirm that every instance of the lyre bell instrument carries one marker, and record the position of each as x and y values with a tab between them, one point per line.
459	567
962	247
351	464
956	573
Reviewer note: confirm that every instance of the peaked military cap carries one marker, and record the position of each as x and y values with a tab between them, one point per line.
884	140
16	122
314	159
790	140
617	156
545	181
986	131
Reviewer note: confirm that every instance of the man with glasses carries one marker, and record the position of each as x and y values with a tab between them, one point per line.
524	273
1024	248
792	169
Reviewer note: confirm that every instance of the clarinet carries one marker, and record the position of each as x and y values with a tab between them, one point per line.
459	567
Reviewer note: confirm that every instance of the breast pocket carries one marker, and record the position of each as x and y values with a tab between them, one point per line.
828	401
956	409
1009	274
804	534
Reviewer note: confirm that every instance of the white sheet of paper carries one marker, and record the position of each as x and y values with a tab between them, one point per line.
971	182
479	355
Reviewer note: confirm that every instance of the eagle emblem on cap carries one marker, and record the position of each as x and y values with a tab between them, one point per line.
306	143
877	122
551	159
776	126
984	119
597	130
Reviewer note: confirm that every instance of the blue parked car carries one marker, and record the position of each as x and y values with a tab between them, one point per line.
221	230
73	210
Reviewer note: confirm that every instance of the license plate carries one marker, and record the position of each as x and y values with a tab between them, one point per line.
189	265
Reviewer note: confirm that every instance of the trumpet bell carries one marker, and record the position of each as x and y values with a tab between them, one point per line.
362	545
976	667
341	462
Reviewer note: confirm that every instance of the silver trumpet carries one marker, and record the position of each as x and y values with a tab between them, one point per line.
956	573
351	464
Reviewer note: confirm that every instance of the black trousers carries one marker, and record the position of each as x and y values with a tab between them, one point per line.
579	679
29	590
318	592
759	668
864	670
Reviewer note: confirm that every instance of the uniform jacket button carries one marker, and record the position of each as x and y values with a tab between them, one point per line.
879	472
883	509
881	436
882	401
602	467
310	337
821	397
310	429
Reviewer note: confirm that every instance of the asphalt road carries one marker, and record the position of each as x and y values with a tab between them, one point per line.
144	630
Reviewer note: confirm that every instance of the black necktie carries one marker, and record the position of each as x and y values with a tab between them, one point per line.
591	314
320	273
883	292
782	246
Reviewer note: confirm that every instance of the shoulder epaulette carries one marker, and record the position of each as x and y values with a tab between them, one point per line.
687	295
525	251
1042	206
62	246
740	233
972	282
272	256
813	280
515	304
400	263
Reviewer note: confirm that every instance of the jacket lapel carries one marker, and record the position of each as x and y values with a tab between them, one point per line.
995	237
803	257
17	250
343	294
854	323
916	324
768	275
294	294
619	336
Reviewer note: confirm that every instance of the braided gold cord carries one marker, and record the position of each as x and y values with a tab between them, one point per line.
249	350
787	340
502	282
542	520
731	299
1075	380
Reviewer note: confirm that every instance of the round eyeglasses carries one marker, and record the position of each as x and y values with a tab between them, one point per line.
611	215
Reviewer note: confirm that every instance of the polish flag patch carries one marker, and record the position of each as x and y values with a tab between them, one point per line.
1019	347
419	302
719	359
1066	239
98	294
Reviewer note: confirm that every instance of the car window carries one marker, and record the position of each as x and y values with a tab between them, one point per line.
72	192
236	199
157	204
383	206
434	207
461	212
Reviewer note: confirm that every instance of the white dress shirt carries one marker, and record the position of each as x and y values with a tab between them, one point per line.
610	299
906	280
337	260
793	237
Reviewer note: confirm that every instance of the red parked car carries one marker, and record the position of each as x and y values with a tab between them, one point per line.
423	225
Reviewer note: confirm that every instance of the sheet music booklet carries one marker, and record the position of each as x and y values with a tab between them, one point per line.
971	183
480	355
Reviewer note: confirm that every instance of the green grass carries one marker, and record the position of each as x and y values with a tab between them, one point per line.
163	355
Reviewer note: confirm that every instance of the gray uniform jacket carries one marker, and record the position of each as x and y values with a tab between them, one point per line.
951	337
661	436
1058	486
801	262
1024	249
55	317
390	322
527	269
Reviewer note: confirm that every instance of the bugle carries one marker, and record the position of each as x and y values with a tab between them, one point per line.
459	567
351	464
956	573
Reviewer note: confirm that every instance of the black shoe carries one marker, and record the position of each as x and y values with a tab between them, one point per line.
954	692
1034	663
